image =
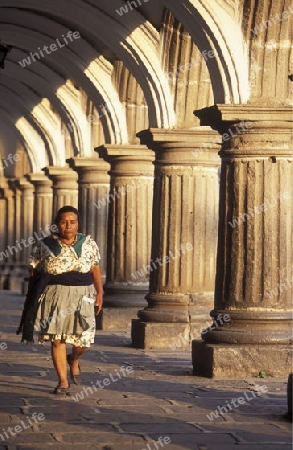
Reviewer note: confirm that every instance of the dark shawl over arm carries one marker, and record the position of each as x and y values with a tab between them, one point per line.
37	285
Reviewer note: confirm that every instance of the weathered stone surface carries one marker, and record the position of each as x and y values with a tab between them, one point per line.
182	269
216	360
254	272
93	186
128	232
160	397
117	318
151	335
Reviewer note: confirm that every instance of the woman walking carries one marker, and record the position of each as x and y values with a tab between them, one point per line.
66	266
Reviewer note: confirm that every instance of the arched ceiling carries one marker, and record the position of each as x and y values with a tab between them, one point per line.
38	98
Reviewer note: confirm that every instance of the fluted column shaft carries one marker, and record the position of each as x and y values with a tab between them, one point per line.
65	187
185	223
185	216
254	266
25	218
254	269
3	221
130	204
93	187
43	201
9	218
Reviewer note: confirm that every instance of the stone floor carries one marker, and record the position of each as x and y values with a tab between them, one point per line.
131	399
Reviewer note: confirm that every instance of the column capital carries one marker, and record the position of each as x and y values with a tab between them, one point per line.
126	152
7	191
169	136
39	179
61	175
24	185
219	113
190	147
251	131
128	160
90	170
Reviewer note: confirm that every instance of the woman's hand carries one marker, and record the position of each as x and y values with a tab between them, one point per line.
99	303
99	288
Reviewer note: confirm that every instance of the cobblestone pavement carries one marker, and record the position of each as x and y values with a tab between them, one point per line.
130	399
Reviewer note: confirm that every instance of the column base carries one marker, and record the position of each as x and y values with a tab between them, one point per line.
12	277
153	335
119	310
225	361
118	319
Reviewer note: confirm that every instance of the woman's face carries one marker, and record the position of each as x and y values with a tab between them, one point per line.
68	225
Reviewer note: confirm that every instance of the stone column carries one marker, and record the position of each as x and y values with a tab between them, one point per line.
129	232
93	186
65	187
23	229
185	215
43	200
10	256
15	232
6	223
25	218
3	222
10	222
253	298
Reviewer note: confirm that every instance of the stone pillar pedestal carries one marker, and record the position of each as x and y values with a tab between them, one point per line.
65	187
43	201
93	187
254	282
185	216
129	232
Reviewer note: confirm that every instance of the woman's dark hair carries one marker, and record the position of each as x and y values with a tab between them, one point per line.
65	209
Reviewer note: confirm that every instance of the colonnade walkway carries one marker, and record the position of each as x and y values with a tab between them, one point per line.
130	399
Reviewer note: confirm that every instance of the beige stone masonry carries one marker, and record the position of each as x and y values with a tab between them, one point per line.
65	187
43	200
254	282
129	231
185	212
93	189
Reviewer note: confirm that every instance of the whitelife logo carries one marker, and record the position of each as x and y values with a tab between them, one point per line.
132	5
45	50
125	370
29	241
11	158
236	402
31	421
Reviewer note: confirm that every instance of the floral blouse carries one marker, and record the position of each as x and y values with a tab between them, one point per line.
43	258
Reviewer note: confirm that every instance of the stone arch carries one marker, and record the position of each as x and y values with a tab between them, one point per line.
29	138
27	125
37	81
40	116
267	28
133	99
229	66
187	71
141	59
114	120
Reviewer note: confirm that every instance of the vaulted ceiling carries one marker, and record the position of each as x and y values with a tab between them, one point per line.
53	81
